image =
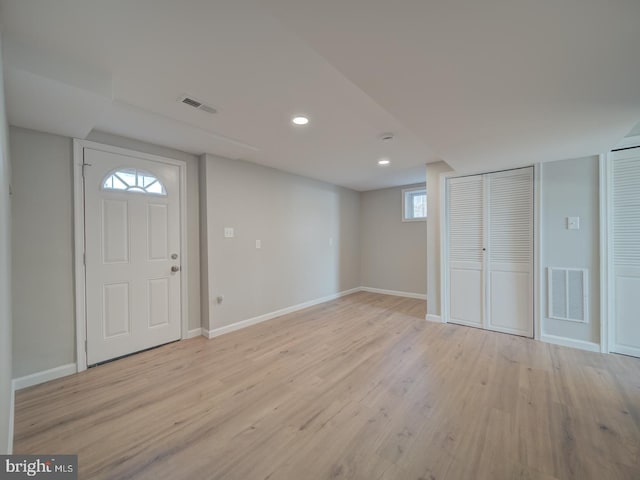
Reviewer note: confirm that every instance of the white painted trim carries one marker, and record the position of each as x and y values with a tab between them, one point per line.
433	318
44	376
444	249
538	269
12	411
216	332
79	246
605	251
628	142
570	342
196	332
396	293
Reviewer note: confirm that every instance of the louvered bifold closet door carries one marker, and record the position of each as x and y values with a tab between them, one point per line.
625	223
509	277
465	200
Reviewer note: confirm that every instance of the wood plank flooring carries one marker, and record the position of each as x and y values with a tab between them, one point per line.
362	388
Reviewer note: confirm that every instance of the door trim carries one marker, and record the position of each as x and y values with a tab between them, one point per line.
79	239
537	245
605	252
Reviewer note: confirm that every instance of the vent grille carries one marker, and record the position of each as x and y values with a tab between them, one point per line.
568	294
192	102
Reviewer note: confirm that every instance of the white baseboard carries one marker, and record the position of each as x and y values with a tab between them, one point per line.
216	332
570	342
12	411
196	332
396	293
433	318
45	376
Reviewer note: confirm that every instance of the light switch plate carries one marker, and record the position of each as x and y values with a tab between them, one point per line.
573	223
258	244
228	232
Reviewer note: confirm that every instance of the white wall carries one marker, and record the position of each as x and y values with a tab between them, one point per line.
392	252
6	394
294	217
570	188
43	277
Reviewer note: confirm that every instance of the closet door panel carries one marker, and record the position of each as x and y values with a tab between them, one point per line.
625	226
509	274
466	230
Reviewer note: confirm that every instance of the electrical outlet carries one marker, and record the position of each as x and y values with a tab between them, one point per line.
228	232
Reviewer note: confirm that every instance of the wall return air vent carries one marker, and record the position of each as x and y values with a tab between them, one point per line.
192	102
568	295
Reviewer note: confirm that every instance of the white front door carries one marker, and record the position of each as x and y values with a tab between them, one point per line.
132	245
625	242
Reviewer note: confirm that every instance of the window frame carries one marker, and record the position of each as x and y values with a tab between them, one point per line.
405	193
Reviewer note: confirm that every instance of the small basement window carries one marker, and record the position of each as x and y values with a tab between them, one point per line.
414	204
133	180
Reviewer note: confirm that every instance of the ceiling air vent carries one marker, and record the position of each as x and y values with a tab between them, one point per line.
192	102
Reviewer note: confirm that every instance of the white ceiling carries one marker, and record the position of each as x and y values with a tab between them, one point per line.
481	85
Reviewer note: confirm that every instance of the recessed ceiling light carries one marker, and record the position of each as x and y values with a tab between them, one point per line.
384	162
300	120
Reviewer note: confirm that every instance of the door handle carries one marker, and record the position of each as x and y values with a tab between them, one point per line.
175	269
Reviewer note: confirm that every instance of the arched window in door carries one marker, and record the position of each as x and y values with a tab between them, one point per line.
133	180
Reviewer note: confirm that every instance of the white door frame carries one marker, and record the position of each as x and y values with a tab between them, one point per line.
444	245
605	252
79	238
606	247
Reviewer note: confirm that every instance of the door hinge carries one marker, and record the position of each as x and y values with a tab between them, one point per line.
84	165
84	258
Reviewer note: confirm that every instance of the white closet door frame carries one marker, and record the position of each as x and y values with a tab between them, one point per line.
79	243
607	278
444	246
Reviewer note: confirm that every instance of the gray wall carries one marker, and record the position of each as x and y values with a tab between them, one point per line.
43	298
434	170
393	254
43	277
294	217
570	188
6	393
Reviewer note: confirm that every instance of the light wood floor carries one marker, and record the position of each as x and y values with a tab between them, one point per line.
361	387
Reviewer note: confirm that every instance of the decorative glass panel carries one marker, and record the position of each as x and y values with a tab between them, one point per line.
134	180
